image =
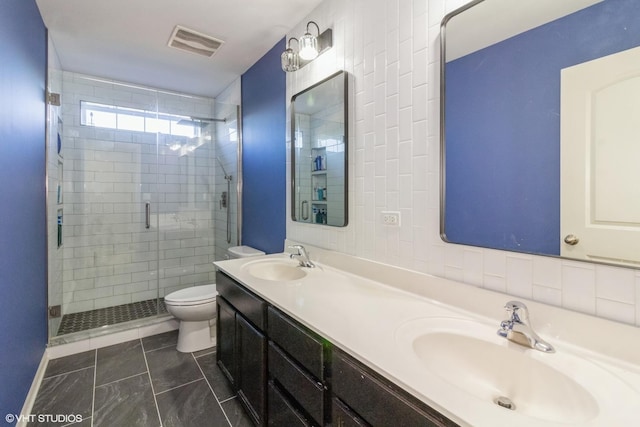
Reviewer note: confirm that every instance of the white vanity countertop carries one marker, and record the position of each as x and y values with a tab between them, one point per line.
341	301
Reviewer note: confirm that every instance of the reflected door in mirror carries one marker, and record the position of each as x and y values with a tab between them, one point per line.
601	158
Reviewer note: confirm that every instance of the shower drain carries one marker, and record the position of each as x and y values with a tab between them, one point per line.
505	402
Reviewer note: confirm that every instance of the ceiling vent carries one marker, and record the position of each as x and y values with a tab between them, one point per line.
193	41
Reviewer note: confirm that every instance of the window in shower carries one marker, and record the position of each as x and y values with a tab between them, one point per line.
132	119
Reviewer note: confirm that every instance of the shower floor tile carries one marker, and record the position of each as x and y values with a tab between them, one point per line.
85	320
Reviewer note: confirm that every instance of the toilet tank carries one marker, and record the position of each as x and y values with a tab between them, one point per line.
243	252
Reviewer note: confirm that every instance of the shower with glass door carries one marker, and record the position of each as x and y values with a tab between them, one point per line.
142	198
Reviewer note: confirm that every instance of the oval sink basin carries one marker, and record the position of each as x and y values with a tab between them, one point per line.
512	382
275	270
491	372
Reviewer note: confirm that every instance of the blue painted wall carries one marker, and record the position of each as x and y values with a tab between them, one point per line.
23	257
503	154
264	153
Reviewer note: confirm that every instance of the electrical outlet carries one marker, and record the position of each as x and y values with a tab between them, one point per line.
391	218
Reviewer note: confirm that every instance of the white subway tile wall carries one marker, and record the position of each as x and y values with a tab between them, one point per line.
110	257
391	50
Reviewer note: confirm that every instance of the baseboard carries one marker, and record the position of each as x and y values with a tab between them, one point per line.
33	391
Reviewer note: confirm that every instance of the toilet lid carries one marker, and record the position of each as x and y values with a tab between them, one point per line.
193	295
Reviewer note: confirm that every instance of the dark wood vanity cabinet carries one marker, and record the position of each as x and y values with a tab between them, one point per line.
242	344
362	397
286	375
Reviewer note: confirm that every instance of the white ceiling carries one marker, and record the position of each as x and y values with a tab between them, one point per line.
492	21
126	40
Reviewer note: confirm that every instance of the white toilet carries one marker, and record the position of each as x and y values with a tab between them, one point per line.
195	307
243	252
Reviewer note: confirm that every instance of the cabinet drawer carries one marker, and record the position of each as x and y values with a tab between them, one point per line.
281	412
305	389
342	416
377	400
303	345
251	306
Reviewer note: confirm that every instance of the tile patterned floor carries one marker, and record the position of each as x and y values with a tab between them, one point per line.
144	382
82	321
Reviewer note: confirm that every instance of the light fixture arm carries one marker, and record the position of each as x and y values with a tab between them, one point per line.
317	28
289	42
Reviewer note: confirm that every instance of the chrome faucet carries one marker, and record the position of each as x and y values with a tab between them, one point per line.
518	328
301	255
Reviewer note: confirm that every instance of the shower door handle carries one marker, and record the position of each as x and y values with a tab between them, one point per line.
147	215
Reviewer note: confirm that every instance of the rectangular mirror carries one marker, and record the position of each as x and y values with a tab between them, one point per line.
540	128
319	153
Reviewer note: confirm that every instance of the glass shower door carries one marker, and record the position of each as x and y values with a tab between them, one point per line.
184	193
108	245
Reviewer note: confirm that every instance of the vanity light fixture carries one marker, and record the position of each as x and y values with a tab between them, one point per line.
310	47
289	58
309	44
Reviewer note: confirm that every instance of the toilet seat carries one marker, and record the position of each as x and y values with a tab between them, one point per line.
195	295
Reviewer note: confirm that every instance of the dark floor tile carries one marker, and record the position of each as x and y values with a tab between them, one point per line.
216	378
190	405
86	422
167	339
205	351
128	402
169	368
119	361
236	413
66	394
70	363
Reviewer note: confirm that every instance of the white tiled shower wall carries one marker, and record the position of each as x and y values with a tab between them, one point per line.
110	258
391	50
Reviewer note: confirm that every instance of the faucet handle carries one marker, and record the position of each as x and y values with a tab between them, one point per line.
297	248
518	311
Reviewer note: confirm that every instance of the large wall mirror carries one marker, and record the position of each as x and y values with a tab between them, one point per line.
540	128
319	153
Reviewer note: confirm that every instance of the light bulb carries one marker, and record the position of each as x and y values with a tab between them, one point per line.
289	60
308	47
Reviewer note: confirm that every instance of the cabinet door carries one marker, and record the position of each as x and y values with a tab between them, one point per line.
226	340
252	369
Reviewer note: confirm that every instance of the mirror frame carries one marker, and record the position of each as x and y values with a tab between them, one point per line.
345	77
443	150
